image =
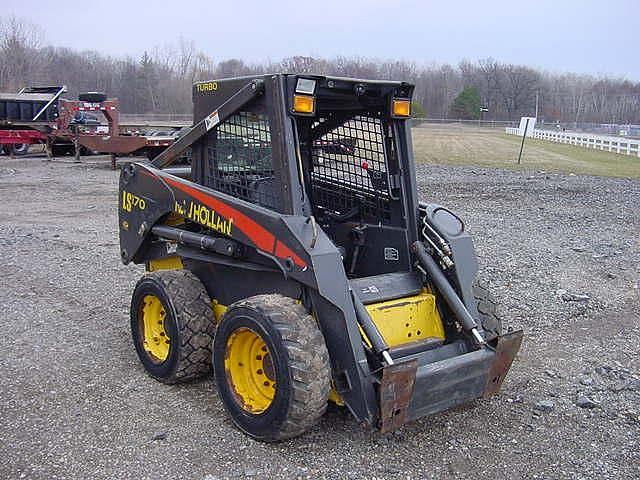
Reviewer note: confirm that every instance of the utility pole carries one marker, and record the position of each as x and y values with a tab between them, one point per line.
537	95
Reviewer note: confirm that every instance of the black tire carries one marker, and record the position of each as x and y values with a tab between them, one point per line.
93	97
488	310
85	152
188	322
62	149
19	149
300	366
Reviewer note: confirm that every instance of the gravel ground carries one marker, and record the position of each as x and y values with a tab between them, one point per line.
561	252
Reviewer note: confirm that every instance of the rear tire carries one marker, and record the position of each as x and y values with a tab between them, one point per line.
19	149
280	347
85	152
62	149
172	325
488	310
93	97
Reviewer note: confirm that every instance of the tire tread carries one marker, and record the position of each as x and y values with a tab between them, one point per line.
487	309
195	322
308	361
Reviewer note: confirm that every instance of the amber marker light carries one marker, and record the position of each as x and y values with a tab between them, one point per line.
303	104
401	107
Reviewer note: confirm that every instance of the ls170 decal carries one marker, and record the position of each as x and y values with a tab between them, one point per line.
131	201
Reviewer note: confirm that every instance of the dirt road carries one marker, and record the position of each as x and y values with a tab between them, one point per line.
561	252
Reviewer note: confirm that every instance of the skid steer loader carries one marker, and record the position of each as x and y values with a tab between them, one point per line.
294	259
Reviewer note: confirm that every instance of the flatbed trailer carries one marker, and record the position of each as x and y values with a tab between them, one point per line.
39	115
135	145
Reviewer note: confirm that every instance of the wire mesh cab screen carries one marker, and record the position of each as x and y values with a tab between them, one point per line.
239	159
350	168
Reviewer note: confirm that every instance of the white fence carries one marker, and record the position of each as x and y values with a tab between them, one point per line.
425	121
625	146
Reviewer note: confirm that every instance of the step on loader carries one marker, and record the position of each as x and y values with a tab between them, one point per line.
294	259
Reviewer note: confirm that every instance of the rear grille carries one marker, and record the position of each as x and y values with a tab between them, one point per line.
350	168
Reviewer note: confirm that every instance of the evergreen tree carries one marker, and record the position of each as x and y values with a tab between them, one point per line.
417	110
466	105
147	76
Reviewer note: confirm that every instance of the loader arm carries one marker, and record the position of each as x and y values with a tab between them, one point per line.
200	129
147	195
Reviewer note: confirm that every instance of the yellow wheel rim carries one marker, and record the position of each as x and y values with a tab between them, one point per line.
250	372
155	340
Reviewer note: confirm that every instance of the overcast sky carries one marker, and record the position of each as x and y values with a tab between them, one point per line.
588	36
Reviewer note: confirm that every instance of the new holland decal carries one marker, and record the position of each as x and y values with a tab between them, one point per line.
205	216
222	217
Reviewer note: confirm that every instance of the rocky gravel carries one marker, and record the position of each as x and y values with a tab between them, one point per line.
561	253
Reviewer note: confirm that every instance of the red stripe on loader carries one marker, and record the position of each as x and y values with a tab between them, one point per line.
260	236
282	251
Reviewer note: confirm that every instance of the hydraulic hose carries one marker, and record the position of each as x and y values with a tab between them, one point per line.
446	290
192	239
378	343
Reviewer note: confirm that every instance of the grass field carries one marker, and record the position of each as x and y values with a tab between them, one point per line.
469	145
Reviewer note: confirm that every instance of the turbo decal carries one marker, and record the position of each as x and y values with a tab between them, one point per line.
206	87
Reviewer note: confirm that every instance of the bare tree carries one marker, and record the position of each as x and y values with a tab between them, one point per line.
161	80
517	86
20	42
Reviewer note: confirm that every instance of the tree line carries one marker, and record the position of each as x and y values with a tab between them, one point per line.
160	80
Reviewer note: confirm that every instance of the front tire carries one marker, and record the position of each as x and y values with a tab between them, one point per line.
271	367
172	325
488	310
